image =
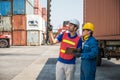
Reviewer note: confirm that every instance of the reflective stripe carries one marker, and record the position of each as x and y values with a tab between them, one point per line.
69	42
63	51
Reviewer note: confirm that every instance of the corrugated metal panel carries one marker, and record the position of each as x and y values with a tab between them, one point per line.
5	24
37	7
5	8
38	12
19	22
105	14
19	38
44	17
18	7
31	2
36	3
29	8
34	22
43	26
23	7
44	14
117	37
33	38
44	11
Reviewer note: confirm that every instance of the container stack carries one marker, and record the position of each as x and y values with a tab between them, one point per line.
34	26
44	16
37	8
19	30
34	30
21	8
5	19
22	20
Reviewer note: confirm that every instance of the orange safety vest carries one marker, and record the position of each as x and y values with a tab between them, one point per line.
68	42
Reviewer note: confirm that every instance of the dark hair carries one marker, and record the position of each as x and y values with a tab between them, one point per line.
74	25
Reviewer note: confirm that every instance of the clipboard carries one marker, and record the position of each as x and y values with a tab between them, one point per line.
70	50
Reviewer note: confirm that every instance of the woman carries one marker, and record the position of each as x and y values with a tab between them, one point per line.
89	53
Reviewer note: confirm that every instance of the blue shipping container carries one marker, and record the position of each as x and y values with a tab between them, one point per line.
18	7
5	8
23	7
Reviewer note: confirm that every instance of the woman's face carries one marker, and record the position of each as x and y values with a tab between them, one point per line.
85	32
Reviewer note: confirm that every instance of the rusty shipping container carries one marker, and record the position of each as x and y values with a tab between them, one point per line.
44	14
37	7
37	4
34	37
19	38
19	22
37	12
44	11
5	23
105	15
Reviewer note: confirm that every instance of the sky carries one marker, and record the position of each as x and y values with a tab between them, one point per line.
62	10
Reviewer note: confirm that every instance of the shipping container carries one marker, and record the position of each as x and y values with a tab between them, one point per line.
37	7
37	12
34	22
105	15
31	2
29	8
37	4
5	24
19	38
43	26
44	17
44	14
5	8
44	11
19	22
19	7
23	7
34	38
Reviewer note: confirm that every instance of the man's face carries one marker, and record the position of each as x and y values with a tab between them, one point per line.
71	27
85	32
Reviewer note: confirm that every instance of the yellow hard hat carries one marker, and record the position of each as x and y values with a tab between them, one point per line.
88	26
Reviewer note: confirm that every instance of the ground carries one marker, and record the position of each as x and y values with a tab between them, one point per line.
38	63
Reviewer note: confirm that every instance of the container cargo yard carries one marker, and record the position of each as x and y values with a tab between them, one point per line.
23	21
29	19
105	14
24	29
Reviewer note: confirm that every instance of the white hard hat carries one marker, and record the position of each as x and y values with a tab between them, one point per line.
75	22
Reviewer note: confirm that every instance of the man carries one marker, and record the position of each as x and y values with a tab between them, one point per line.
89	53
65	66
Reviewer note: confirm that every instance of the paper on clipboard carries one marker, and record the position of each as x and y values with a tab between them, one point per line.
69	50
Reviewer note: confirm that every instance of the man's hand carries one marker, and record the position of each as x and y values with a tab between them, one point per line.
69	50
50	28
75	51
